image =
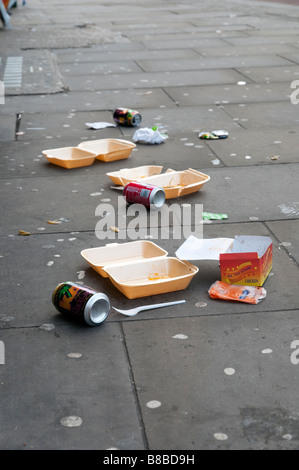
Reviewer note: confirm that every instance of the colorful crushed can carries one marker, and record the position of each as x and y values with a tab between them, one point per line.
81	301
146	194
127	117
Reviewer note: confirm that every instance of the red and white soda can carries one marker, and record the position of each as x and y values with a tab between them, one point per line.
146	194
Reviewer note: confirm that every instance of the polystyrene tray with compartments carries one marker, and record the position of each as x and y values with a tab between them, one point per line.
140	269
106	150
174	183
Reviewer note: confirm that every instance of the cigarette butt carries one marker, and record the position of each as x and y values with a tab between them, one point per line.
24	233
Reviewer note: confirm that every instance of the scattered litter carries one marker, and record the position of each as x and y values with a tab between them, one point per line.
180	336
240	83
71	421
213	216
99	125
54	222
153	404
174	183
127	117
275	157
229	371
149	136
23	233
267	351
128	266
47	327
243	260
114	229
106	150
247	294
219	436
201	304
133	311
17	126
74	355
213	135
146	194
50	263
81	301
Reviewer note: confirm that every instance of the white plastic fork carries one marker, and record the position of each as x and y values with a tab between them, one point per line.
133	311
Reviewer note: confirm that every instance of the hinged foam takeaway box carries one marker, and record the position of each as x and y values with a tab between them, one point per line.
244	260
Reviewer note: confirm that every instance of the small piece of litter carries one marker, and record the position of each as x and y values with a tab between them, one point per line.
99	125
220	436
114	229
71	421
275	157
213	135
54	222
47	327
180	336
229	371
23	233
267	351
213	216
153	404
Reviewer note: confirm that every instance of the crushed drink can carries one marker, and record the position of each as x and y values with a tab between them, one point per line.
146	194
81	301
127	117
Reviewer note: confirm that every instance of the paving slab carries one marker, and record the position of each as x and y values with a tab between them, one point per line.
254	116
224	94
293	40
88	101
242	148
103	54
66	380
281	49
270	75
154	79
212	63
188	356
39	73
287	233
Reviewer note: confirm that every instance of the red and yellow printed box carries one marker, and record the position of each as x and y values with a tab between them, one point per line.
249	261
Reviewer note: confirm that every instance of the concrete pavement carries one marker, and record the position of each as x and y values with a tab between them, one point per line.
209	375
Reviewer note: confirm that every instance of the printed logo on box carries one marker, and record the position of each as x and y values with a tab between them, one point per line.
2	93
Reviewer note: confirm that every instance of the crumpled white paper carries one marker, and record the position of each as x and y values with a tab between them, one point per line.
99	125
149	136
